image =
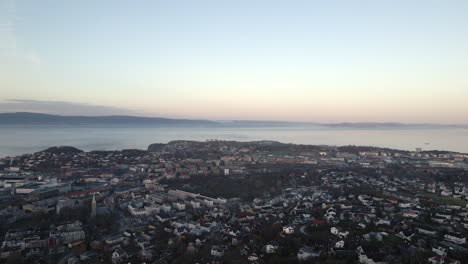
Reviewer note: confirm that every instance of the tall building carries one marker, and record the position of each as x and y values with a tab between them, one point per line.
93	207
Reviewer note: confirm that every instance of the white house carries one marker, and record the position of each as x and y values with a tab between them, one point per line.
410	214
441	251
363	259
271	249
404	205
253	258
456	238
195	204
334	230
339	244
343	234
446	216
446	193
179	206
307	253
289	229
426	231
373	236
407	235
217	251
166	208
118	255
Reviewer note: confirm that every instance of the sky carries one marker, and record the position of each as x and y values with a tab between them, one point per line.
320	61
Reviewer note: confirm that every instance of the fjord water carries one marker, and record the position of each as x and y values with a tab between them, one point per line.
15	140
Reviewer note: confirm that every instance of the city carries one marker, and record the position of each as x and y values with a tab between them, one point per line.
234	202
233	132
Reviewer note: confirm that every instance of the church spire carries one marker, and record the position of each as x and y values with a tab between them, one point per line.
93	207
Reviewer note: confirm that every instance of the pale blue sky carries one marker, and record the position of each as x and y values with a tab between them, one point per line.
327	61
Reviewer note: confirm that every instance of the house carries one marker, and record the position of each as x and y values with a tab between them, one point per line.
436	260
253	258
456	238
289	229
465	223
307	253
114	240
343	234
439	220
404	205
217	251
119	255
179	206
180	231
245	251
442	215
405	234
73	260
426	231
441	251
162	217
330	214
166	208
410	214
446	193
373	236
339	244
271	248
339	233
146	255
364	259
442	260
334	230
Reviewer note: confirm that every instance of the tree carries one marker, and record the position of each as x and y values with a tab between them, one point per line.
15	258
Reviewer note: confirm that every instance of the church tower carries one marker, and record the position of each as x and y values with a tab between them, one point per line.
93	207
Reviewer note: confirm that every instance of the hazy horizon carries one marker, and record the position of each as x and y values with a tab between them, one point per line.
306	61
224	121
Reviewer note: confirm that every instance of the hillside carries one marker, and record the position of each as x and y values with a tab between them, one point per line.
26	118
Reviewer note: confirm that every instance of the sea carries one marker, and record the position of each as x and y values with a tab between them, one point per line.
17	140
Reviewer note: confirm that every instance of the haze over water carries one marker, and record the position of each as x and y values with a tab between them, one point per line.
21	140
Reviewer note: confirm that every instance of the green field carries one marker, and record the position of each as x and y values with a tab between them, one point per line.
446	200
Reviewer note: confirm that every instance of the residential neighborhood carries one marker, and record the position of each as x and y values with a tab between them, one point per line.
234	202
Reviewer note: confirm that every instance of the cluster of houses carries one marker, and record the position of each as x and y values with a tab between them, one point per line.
340	204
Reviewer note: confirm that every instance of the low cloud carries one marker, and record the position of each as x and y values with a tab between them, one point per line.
62	108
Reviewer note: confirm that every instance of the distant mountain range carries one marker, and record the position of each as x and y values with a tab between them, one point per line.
26	118
38	119
392	125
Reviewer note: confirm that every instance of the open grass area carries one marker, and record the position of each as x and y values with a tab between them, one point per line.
219	186
446	200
